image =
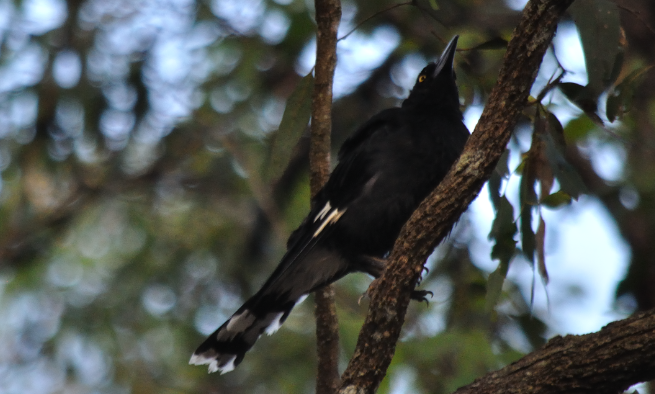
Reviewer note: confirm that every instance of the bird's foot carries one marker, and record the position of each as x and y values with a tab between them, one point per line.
421	295
417	295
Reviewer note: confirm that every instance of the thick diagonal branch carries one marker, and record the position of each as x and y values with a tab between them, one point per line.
608	361
435	217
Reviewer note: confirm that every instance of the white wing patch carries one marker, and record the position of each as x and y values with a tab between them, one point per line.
328	216
275	324
229	366
240	322
211	360
323	212
301	299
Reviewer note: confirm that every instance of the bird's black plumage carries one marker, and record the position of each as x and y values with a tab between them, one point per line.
386	168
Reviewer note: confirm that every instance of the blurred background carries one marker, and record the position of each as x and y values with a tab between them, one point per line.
137	211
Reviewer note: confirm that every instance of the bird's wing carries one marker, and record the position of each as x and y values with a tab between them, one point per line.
352	178
365	131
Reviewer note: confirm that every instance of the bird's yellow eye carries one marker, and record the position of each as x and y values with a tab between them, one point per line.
421	78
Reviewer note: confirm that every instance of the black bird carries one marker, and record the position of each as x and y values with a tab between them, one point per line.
386	168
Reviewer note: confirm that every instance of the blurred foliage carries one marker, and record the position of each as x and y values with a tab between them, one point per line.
142	194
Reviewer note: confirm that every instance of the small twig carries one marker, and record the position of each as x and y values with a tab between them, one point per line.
328	16
550	86
373	16
438	37
431	15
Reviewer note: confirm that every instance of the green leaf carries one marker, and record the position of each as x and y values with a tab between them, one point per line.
527	195
434	5
294	121
555	128
555	146
569	179
519	169
495	285
599	26
578	128
556	200
527	198
502	231
541	250
528	243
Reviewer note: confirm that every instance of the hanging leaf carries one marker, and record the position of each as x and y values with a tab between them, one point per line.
496	179
526	195
495	286
568	178
555	129
541	253
542	169
503	230
555	132
294	121
532	166
555	146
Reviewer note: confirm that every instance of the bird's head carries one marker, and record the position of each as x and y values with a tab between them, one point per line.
435	85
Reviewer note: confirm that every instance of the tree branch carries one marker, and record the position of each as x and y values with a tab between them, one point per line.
328	16
609	361
435	217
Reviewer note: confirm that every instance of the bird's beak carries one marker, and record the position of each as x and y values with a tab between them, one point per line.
445	63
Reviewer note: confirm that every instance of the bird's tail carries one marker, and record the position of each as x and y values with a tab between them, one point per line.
225	348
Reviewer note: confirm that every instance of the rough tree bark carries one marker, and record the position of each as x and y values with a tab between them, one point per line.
328	16
437	214
609	361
